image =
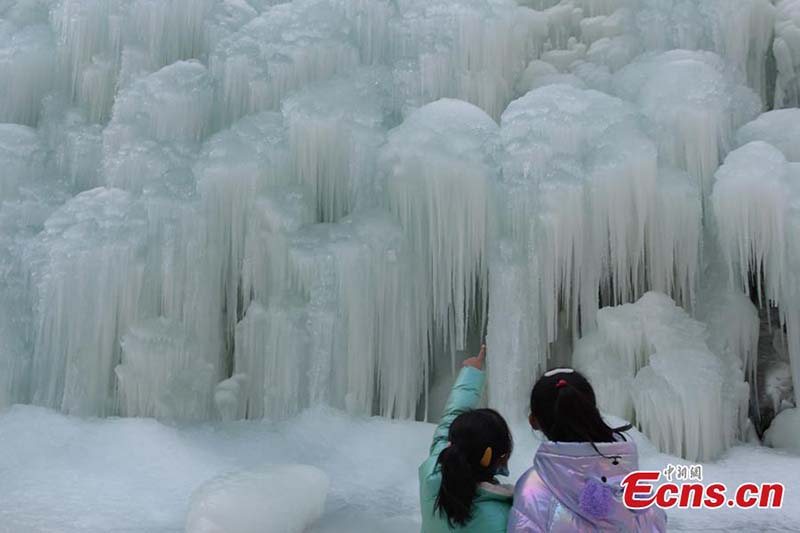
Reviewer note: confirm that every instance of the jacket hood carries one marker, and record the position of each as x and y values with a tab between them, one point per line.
588	482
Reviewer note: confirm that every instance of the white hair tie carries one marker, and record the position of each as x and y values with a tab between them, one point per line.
558	371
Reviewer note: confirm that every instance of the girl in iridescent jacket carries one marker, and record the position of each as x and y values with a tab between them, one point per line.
574	484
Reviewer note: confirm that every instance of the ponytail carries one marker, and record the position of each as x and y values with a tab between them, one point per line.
565	407
458	489
464	465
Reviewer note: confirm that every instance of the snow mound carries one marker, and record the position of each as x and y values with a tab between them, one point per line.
272	499
784	432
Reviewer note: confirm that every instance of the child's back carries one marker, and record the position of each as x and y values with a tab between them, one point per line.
457	487
574	484
571	487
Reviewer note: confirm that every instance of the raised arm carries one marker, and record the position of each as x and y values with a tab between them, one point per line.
465	395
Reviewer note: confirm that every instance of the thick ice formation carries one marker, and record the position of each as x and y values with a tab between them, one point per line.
272	499
693	107
740	31
335	130
22	156
26	70
165	372
603	211
649	362
756	201
468	50
156	124
87	272
440	166
786	49
285	48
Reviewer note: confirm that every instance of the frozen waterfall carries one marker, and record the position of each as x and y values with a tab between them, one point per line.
245	208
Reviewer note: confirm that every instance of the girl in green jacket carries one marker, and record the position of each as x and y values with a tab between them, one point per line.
457	485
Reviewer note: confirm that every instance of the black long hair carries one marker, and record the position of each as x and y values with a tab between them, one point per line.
565	408
470	434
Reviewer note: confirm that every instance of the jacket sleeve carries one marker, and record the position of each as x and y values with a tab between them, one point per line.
465	395
519	523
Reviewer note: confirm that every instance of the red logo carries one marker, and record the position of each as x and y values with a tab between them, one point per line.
641	489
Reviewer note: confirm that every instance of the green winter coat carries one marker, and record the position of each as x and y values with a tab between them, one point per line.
493	502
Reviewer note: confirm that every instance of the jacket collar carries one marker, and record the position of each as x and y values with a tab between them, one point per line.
492	491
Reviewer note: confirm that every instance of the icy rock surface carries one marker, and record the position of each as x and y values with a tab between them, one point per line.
272	499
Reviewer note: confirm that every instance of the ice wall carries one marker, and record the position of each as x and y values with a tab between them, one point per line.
242	208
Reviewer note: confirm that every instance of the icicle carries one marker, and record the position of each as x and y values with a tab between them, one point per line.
335	130
273	218
674	237
786	49
755	206
169	30
164	372
365	314
513	333
370	21
87	269
468	50
694	127
750	202
287	47
22	156
26	71
272	353
440	163
87	31
579	180
233	168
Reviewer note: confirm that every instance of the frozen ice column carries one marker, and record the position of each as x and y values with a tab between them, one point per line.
439	166
87	270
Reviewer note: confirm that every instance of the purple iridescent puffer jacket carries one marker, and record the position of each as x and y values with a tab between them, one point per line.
573	488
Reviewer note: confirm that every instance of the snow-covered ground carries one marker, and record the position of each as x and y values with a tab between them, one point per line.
66	474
